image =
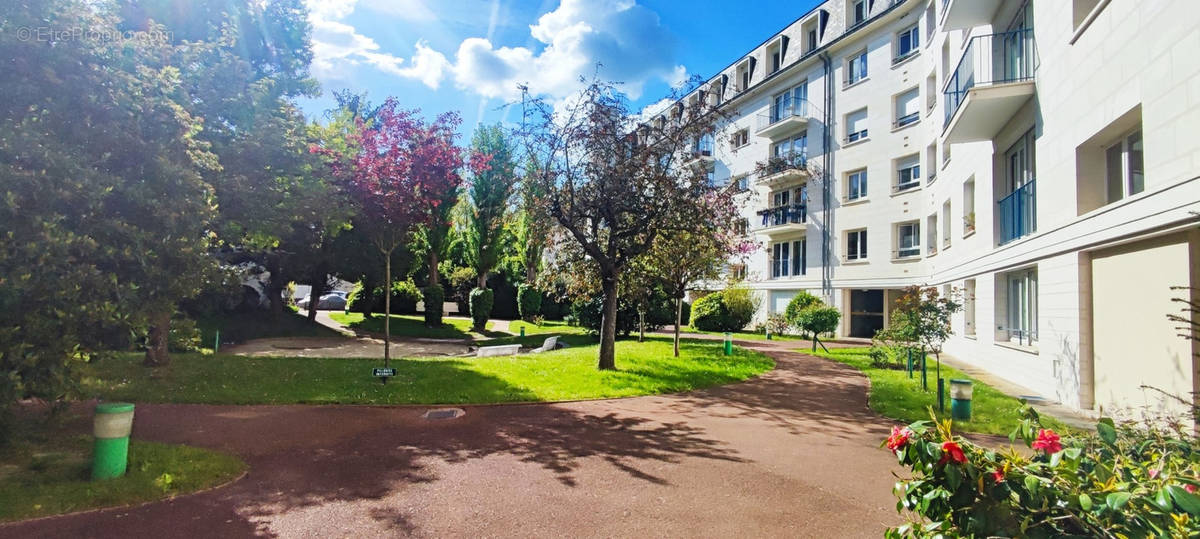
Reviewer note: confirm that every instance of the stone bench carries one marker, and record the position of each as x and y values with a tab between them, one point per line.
502	350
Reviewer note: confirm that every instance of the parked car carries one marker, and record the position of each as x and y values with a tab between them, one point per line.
333	301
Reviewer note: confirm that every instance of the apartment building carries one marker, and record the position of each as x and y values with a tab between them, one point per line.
1041	157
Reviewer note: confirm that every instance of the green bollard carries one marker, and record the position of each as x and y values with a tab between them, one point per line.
910	369
960	399
941	389
217	343
112	425
522	330
728	343
768	334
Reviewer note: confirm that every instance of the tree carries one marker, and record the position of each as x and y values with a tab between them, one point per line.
613	186
818	319
922	317
401	171
532	225
432	240
489	194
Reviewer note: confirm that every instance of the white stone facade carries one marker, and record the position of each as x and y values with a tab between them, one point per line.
1070	263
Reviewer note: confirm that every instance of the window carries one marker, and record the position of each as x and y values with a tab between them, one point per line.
930	22
856	125
790	103
931	92
931	162
737	272
908	173
780	259
946	224
969	207
1018	207
856	245
856	67
1020	305
860	11
908	239
969	307
931	234
743	183
1124	172
793	147
800	257
812	39
856	185
908	109
775	62
907	42
740	138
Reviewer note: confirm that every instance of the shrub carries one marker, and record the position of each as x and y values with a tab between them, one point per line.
742	304
801	301
183	336
405	296
1122	481
710	313
481	307
777	324
589	314
434	297
529	301
818	320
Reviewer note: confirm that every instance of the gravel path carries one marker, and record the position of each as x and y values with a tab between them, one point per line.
793	453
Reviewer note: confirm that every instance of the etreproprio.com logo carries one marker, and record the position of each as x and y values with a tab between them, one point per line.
51	34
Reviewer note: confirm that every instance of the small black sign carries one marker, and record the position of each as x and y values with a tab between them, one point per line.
383	373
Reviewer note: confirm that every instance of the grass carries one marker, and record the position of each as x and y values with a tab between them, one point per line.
743	335
568	374
548	327
896	396
408	325
236	328
47	472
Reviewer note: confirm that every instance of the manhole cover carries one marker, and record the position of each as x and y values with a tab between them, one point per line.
444	413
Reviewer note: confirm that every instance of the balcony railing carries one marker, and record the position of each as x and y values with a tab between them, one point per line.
780	163
988	60
702	148
907	119
783	215
1018	213
783	110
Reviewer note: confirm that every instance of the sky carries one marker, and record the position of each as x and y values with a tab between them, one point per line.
471	55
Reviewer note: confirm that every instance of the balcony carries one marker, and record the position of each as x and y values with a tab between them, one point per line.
785	118
1018	213
781	170
993	80
701	153
964	14
782	219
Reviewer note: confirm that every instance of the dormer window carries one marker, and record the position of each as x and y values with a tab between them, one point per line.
777	53
860	12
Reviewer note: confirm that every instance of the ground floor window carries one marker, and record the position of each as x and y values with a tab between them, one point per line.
856	245
800	257
780	259
1021	306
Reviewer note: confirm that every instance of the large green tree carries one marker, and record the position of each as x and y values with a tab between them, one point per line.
490	191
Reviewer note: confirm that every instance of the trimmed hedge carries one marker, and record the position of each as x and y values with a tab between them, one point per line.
529	301
434	296
728	310
405	296
481	307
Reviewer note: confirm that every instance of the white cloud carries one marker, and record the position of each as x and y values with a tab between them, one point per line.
626	40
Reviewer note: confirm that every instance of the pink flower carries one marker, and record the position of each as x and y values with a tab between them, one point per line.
952	452
998	476
1047	441
898	439
1153	473
1190	488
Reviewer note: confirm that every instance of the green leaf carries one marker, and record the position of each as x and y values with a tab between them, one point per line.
1117	500
1162	499
1185	500
1106	430
1085	502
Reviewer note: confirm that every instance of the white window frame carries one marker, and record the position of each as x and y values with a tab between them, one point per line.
914	43
908	173
861	134
780	259
856	67
858	177
913	249
859	252
1021	307
899	102
1124	175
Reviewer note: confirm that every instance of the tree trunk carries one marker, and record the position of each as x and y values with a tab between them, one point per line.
678	320
387	310
274	287
641	325
156	345
317	288
608	326
433	268
483	275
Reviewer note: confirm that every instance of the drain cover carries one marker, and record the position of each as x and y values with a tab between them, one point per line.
444	413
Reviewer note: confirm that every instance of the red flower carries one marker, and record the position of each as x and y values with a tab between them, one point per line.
898	439
998	475
1190	488
953	452
1047	441
1153	473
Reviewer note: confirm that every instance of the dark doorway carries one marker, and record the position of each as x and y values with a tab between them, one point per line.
866	312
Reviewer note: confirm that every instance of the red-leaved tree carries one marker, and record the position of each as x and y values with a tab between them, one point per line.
398	178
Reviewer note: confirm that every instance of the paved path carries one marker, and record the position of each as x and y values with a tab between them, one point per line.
793	453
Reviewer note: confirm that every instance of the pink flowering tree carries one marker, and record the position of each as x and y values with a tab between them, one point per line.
399	178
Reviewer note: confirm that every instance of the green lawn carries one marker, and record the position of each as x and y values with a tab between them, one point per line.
236	328
46	471
743	335
548	327
896	396
408	325
643	368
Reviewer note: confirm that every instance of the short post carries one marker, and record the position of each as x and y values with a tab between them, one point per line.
910	368
728	343
112	426
960	399
768	334
217	342
924	375
522	330
941	389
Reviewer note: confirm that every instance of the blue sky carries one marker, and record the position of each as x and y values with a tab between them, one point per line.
469	55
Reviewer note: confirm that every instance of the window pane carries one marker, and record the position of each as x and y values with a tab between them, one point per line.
1112	160
852	245
1137	179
